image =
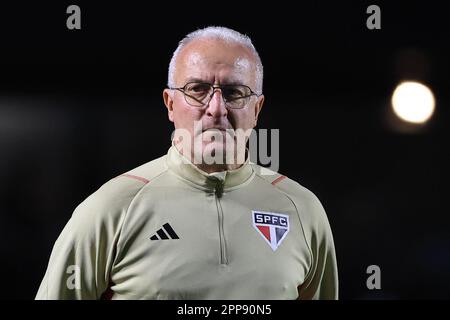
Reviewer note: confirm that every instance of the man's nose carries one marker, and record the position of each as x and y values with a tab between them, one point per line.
216	107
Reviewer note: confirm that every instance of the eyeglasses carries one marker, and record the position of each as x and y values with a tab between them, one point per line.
199	94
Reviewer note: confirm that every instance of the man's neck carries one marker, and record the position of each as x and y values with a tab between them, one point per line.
214	167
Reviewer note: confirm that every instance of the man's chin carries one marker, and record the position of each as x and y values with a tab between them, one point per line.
214	152
214	147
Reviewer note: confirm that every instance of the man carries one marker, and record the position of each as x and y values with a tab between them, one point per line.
201	222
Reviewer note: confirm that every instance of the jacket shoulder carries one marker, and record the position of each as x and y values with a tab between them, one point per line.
283	183
306	202
112	199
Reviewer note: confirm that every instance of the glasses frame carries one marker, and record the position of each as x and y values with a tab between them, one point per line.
214	88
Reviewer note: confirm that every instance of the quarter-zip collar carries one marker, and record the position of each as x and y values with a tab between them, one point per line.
216	181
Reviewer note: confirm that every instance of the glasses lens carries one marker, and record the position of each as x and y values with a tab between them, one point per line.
236	96
197	93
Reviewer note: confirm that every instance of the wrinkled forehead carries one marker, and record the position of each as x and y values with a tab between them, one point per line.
216	61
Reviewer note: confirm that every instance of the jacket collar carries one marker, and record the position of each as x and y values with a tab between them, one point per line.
223	180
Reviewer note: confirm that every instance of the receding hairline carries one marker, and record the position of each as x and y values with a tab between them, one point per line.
225	36
184	53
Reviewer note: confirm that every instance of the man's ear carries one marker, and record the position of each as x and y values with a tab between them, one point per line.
168	101
258	107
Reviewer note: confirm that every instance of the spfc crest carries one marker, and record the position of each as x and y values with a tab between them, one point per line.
273	227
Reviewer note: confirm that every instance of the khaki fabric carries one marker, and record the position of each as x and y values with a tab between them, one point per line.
114	245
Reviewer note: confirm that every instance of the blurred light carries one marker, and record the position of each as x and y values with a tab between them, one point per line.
413	102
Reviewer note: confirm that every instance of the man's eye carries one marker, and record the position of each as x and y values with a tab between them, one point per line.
197	88
233	93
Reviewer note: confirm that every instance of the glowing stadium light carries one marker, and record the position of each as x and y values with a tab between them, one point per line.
413	102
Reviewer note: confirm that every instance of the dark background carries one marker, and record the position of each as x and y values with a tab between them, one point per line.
80	107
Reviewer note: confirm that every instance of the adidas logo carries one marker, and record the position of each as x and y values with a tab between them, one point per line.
168	234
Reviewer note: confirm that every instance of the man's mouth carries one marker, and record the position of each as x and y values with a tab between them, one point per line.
210	133
217	129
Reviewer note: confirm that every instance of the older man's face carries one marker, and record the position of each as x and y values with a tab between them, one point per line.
216	62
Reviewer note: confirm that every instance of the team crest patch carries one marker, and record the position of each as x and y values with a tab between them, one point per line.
273	227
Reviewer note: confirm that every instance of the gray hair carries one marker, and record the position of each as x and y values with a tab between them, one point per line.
223	33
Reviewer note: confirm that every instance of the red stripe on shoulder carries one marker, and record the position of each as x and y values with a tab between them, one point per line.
135	177
274	182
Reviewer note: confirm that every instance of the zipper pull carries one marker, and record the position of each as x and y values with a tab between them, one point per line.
219	188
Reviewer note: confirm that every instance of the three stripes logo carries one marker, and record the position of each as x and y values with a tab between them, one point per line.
165	233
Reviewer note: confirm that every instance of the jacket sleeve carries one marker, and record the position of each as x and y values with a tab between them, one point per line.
322	279
82	257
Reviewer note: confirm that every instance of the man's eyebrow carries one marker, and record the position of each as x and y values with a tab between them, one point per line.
231	82
192	79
